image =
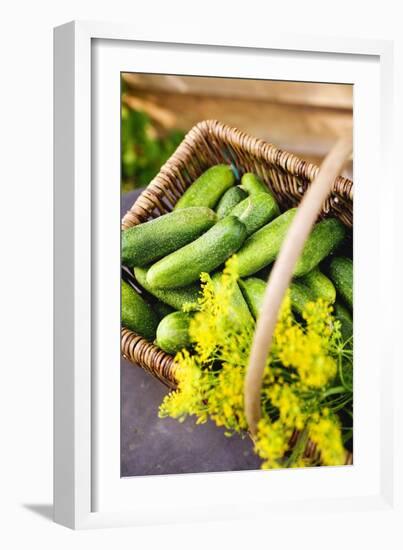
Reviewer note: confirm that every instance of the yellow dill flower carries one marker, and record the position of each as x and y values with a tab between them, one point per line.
226	402
306	349
288	404
193	386
318	317
271	442
221	326
326	434
298	373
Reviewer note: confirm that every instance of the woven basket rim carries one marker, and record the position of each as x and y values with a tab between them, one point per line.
258	147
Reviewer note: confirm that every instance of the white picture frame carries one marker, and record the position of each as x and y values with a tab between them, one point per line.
88	490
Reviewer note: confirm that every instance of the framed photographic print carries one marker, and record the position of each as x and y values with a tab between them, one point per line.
218	213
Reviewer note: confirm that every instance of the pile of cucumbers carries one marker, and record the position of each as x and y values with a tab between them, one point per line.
216	217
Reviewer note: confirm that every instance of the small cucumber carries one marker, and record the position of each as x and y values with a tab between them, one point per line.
175	297
320	285
238	308
341	273
325	237
262	248
251	183
208	188
206	253
344	316
300	296
149	241
137	315
256	211
231	198
173	332
253	290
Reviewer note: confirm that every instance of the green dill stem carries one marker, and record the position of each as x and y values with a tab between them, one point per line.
341	374
334	404
341	405
333	391
298	449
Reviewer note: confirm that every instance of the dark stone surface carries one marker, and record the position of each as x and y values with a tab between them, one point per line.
150	445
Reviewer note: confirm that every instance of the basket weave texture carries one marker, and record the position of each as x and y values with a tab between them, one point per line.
211	142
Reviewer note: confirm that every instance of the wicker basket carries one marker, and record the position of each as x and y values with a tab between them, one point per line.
211	142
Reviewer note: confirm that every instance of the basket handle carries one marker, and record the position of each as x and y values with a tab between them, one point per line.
281	274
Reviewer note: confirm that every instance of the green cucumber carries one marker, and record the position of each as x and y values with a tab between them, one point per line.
256	211
262	248
325	237
300	296
149	241
137	315
206	253
253	290
175	297
239	311
320	285
344	316
231	198
341	273
173	332
208	188
251	183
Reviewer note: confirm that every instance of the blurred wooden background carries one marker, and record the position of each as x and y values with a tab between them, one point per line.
304	118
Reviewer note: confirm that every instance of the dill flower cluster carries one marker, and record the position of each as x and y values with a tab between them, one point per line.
306	386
